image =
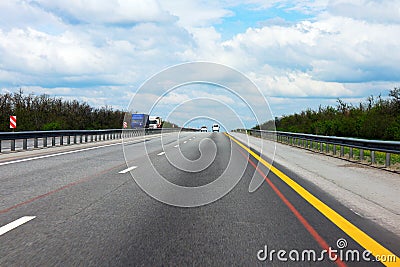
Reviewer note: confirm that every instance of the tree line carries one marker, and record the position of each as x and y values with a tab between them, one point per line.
42	112
375	118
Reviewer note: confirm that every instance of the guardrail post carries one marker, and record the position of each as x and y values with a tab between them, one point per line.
81	139
44	141
35	142
25	144
342	151
86	138
321	147
387	161
75	139
13	145
0	146
351	153
373	161
327	148
61	140
91	138
334	149
68	140
361	154
53	141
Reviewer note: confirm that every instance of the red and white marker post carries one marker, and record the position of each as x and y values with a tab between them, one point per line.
13	122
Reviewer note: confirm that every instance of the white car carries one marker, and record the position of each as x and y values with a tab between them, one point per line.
203	129
215	128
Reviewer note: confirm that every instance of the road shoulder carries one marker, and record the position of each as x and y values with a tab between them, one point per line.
368	192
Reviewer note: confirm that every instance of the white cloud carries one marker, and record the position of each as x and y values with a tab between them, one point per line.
21	14
47	53
172	99
197	13
299	84
344	49
368	10
112	11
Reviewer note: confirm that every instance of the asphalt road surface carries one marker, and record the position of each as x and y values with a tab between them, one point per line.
86	209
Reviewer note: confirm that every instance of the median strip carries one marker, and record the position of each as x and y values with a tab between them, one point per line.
350	229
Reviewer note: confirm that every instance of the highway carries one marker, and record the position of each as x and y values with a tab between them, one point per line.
85	208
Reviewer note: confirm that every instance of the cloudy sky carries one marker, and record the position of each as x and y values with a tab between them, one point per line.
299	53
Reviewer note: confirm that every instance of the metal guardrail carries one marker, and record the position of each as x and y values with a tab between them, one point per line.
68	137
330	144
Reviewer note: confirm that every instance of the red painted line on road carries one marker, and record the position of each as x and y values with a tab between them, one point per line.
85	179
323	244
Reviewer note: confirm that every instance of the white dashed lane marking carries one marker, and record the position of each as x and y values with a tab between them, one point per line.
12	225
129	169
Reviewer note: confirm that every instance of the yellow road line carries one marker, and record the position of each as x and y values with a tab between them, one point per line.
350	229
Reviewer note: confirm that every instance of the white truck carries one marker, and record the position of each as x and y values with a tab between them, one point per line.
155	122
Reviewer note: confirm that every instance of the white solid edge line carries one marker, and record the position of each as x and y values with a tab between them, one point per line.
161	153
8	227
65	153
127	170
57	154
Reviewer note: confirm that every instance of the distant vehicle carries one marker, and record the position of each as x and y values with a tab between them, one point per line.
140	121
203	129
215	128
155	122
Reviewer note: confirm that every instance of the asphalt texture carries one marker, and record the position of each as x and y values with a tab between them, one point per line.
90	214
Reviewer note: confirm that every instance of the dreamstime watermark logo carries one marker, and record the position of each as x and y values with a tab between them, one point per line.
341	253
186	93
